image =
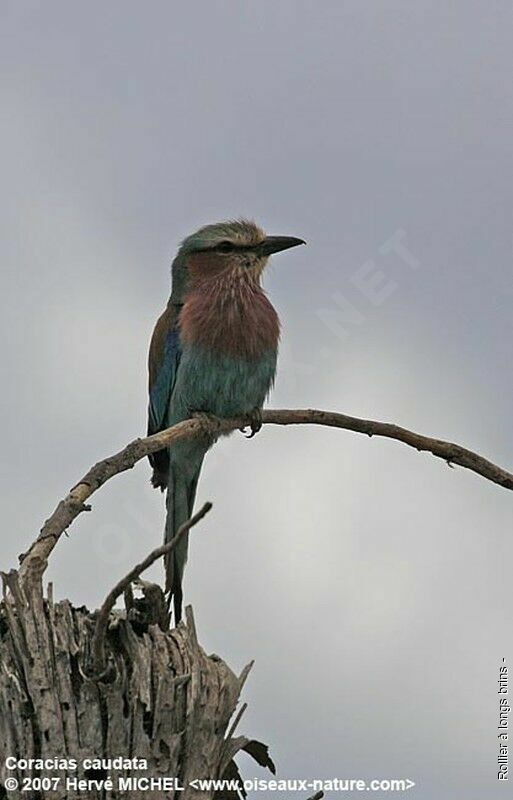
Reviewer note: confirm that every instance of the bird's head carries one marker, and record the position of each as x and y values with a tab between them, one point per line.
236	245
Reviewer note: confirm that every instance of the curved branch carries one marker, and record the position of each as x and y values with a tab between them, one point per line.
35	560
98	642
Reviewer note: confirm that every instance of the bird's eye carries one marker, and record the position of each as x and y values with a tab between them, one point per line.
225	247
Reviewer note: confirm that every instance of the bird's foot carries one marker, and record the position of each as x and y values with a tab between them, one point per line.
209	423
255	423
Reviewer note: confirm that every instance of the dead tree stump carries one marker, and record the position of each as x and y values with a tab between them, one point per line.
84	689
161	708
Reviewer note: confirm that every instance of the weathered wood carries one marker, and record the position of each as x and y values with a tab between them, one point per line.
77	686
35	560
161	699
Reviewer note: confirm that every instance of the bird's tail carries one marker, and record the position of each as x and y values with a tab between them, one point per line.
181	493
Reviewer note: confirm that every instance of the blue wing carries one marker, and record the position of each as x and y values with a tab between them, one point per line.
164	358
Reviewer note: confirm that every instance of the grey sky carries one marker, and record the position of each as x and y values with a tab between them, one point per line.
371	584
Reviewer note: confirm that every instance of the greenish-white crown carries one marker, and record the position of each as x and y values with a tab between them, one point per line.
239	232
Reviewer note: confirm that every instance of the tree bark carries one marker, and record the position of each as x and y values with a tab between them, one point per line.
162	700
34	561
78	687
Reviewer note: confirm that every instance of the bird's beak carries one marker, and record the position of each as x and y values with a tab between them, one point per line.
273	244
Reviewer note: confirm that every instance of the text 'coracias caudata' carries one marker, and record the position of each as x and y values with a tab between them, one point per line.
213	351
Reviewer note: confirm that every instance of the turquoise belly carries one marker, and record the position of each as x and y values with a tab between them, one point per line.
222	385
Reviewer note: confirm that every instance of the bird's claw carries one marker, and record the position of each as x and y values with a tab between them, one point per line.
255	423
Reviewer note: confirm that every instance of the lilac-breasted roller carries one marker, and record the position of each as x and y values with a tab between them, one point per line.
213	351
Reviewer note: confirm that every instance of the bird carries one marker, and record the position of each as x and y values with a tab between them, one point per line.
213	353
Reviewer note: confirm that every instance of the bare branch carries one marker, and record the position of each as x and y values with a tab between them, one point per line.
236	721
34	562
98	642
